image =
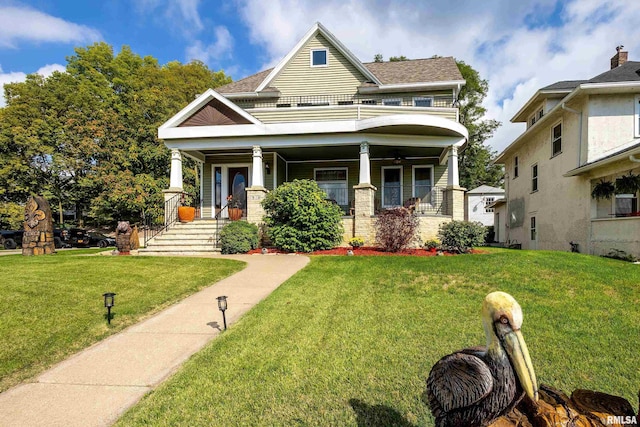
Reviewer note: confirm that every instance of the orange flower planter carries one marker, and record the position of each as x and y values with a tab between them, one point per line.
186	213
235	214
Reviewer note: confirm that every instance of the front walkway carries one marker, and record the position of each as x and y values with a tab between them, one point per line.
95	386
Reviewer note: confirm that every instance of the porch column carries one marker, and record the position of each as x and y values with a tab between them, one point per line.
175	181
453	177
365	166
257	179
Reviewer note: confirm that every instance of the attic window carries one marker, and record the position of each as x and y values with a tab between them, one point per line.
319	58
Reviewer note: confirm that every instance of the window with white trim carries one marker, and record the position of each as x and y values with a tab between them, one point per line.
422	183
556	140
637	116
533	229
391	186
534	178
487	201
396	102
626	204
334	182
423	101
319	58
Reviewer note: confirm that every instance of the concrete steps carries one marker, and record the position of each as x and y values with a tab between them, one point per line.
193	238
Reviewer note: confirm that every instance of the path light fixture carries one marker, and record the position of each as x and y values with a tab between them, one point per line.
264	251
222	306
109	301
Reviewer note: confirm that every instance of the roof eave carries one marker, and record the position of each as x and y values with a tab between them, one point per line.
522	114
604	162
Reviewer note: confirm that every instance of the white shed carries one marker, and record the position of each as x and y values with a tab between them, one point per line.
477	203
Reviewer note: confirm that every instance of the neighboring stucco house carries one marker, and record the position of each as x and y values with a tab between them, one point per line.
579	133
479	204
373	135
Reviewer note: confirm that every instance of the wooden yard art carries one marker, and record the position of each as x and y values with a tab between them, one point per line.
38	228
123	238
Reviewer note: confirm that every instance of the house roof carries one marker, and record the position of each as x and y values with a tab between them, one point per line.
564	85
486	189
627	72
378	74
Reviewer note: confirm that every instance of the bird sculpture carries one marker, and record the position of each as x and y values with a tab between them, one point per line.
475	386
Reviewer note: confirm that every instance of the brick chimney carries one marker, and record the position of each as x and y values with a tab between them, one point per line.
619	58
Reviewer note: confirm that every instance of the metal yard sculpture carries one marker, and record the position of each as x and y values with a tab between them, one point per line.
475	386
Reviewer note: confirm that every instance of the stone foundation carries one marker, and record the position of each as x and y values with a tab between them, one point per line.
427	229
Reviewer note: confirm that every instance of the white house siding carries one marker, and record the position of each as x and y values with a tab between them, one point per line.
476	207
560	207
611	123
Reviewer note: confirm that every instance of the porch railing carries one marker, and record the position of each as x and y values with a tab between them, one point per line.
428	200
445	101
158	221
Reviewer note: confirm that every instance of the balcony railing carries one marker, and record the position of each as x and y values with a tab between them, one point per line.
424	199
438	101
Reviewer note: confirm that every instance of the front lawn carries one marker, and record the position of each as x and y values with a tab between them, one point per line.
52	306
351	340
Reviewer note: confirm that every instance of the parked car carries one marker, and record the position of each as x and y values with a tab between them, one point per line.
78	237
100	240
12	239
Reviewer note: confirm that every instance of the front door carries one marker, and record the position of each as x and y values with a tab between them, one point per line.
238	178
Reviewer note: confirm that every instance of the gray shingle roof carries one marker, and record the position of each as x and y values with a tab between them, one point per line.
564	85
629	71
411	71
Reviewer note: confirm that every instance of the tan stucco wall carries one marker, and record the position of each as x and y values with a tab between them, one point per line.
611	123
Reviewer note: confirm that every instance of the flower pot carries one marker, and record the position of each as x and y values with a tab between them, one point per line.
235	214
186	213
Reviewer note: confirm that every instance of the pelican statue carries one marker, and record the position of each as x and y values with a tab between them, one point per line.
474	386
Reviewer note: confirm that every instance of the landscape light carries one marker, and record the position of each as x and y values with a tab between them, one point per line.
222	306
109	301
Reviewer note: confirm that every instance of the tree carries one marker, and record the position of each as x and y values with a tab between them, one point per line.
476	159
378	58
88	137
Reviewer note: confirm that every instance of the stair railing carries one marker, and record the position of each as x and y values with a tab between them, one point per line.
161	222
220	221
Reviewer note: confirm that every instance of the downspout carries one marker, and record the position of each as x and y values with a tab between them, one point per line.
579	113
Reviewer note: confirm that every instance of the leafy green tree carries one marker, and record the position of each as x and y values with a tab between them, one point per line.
476	160
378	58
398	58
87	138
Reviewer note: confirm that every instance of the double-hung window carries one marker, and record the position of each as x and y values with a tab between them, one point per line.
556	140
334	182
487	202
626	204
534	178
391	186
533	228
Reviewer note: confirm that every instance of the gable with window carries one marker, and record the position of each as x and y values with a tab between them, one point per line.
556	139
319	58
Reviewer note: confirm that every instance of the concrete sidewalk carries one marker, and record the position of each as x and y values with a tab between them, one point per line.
95	386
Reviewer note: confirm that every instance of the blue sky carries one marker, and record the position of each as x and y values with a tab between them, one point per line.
519	46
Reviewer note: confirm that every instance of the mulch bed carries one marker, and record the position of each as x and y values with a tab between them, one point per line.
364	251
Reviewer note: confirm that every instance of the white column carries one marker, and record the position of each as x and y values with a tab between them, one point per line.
257	179
365	167
453	176
175	181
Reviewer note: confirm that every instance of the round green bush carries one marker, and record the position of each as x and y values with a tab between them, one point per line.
238	237
461	236
300	219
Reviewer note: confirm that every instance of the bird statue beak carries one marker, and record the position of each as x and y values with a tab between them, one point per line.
519	354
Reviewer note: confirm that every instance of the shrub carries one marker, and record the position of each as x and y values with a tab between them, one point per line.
356	242
461	236
11	216
396	229
300	219
238	237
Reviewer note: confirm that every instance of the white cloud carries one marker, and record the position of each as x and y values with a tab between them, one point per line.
19	76
26	24
182	14
517	46
217	50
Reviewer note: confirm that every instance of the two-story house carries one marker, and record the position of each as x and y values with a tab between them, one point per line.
372	135
579	134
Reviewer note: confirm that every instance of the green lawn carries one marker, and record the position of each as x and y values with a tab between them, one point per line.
52	306
351	340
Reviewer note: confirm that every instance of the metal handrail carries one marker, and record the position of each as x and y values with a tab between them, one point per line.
152	227
218	217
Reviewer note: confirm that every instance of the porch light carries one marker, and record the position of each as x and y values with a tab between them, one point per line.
109	301
267	168
222	306
397	159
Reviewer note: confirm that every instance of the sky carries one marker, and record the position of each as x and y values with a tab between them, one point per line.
518	46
